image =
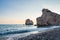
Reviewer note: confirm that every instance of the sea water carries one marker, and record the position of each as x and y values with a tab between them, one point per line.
15	31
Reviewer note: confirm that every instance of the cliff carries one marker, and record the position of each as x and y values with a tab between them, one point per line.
48	18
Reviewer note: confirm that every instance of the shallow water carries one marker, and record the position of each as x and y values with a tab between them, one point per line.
6	29
15	31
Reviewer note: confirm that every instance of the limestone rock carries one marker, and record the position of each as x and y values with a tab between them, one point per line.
48	18
29	22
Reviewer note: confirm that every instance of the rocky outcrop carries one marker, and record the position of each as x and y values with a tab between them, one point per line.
48	18
29	22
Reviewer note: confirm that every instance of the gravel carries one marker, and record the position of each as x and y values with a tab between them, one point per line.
48	35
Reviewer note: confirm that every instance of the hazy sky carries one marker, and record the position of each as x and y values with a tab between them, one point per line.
17	11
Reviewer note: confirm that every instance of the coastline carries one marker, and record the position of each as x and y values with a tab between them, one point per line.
47	35
51	33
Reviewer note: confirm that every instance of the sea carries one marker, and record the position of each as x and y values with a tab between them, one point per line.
16	31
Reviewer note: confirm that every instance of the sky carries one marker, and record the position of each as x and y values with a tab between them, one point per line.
17	11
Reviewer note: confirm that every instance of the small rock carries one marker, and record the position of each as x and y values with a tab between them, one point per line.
29	22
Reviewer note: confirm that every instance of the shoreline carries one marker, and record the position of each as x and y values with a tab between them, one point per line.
48	35
34	35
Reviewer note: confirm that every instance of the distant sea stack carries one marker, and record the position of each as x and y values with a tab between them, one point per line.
28	22
48	18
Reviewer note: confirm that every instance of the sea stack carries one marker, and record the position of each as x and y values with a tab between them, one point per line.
28	22
48	18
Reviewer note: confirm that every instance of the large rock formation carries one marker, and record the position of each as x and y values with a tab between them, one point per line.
29	22
48	18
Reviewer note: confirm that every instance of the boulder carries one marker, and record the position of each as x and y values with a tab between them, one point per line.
29	22
48	18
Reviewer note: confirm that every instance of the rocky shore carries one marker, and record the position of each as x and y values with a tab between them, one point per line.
48	35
